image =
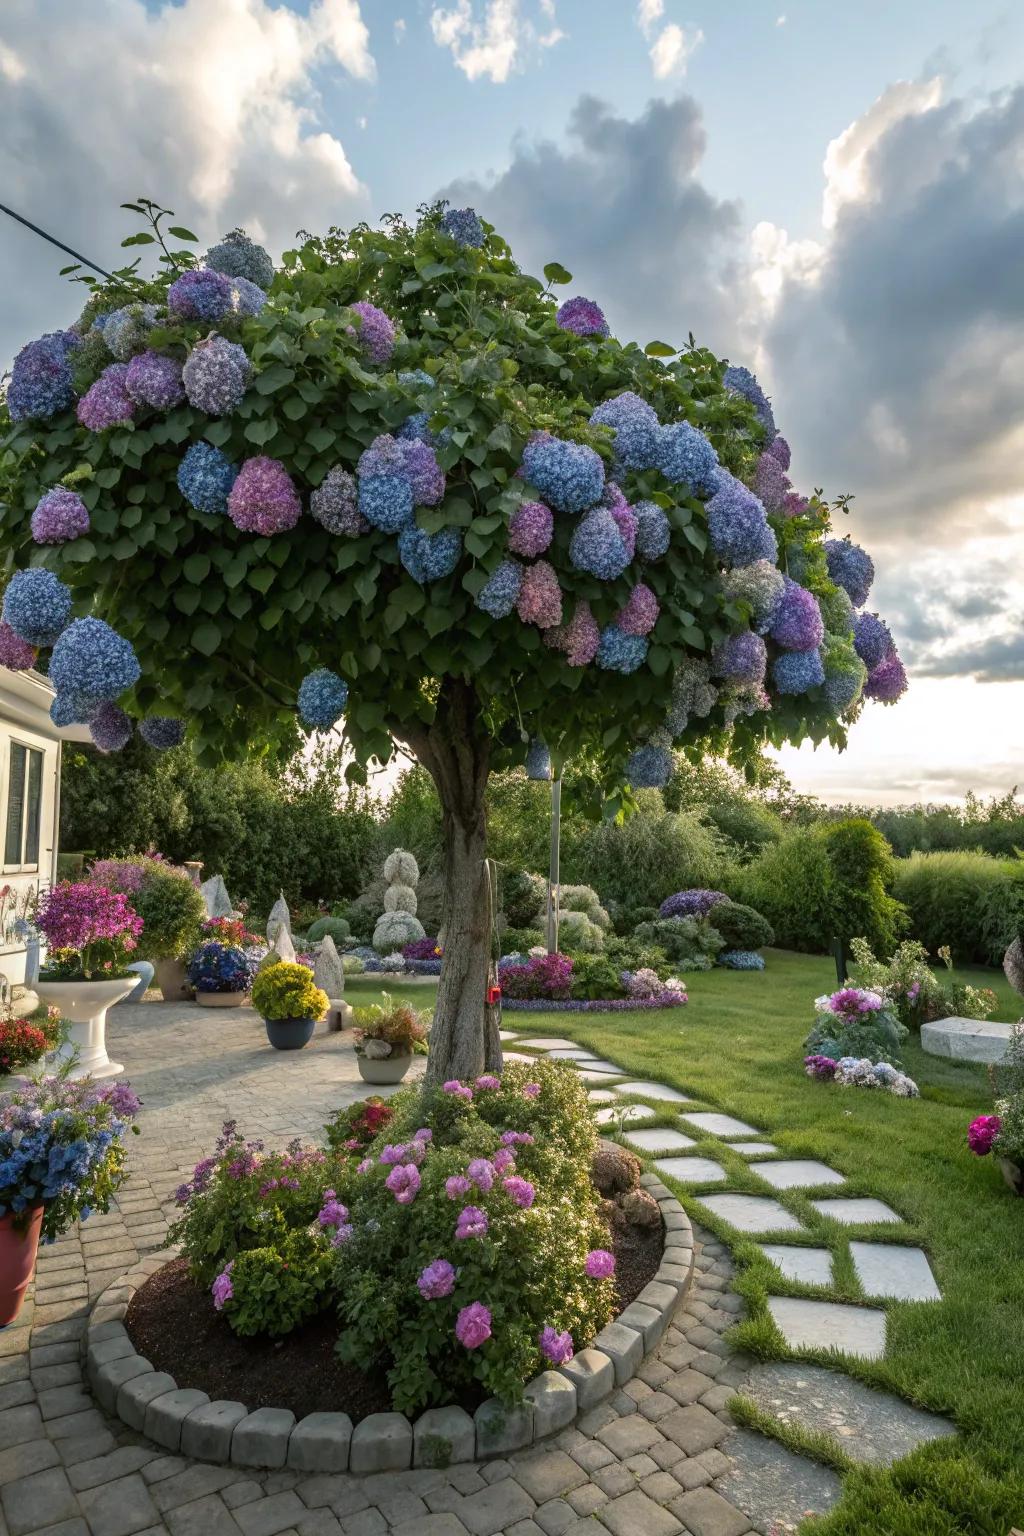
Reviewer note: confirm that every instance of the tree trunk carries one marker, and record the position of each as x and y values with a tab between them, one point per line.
455	750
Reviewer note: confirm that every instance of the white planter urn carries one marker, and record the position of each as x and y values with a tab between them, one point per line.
84	1004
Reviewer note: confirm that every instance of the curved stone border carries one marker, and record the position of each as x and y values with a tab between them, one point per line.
183	1419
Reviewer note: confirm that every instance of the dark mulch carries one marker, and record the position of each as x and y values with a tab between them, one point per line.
172	1324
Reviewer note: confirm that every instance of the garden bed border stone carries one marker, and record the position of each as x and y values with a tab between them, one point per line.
226	1433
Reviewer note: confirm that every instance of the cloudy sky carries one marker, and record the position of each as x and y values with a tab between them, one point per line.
833	194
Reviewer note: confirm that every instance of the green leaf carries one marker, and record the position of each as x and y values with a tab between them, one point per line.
659	659
196	568
262	578
261	432
206	637
660	349
556	273
80	551
181	233
273	378
294	408
320	439
140	239
186	599
434	269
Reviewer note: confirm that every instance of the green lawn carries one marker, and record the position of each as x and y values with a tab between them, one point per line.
737	1046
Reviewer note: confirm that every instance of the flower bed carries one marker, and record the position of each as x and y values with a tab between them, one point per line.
667	999
584	984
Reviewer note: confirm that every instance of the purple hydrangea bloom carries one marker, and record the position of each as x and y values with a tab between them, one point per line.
376	334
404	1183
797	624
597	546
531	528
247	298
742	382
794	505
155	379
625	522
59	515
569	476
162	732
779	449
872	639
222	1290
635	424
770	482
499	594
737	524
92	662
335	505
619	652
36	606
205	478
15	654
741	658
579	639
583	317
888	681
238	256
540	597
640	613
798	671
463	226
436	1280
107	402
323	696
215	376
125	330
41	384
556	1347
425	475
851	568
200	295
693	903
761	586
473	1325
472	1222
653	534
685	457
429	556
458	1186
520	1191
110	728
538	760
263	499
599	1264
650	766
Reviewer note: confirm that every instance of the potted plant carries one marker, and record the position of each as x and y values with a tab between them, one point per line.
24	1042
388	1035
1002	1133
173	911
290	1003
222	974
44	1184
91	933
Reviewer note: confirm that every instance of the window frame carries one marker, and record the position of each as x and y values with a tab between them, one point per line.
23	865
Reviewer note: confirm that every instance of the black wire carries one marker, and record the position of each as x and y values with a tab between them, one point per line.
54	241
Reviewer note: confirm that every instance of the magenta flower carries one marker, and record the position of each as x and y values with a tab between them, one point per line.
531	528
821	1067
473	1325
482	1173
981	1133
556	1347
472	1222
77	915
518	1138
423	1134
520	1191
437	1280
222	1290
457	1186
404	1182
392	1155
503	1160
531	1090
332	1213
488	1081
540	597
600	1264
457	1090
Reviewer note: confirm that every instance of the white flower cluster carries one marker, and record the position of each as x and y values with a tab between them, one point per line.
864	1073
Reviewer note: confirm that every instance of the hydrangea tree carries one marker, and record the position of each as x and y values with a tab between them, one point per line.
394	485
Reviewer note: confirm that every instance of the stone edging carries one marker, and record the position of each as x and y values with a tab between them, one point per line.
183	1419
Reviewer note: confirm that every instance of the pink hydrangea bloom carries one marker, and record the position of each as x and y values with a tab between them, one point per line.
540	597
222	1290
404	1182
472	1222
473	1325
531	1090
516	1138
457	1090
600	1264
482	1173
392	1154
981	1133
579	638
503	1160
457	1186
520	1191
531	528
423	1134
263	498
640	613
437	1280
556	1347
488	1081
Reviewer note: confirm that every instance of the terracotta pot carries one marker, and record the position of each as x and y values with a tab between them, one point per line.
385	1069
17	1262
84	1004
221	999
289	1034
170	978
1013	1173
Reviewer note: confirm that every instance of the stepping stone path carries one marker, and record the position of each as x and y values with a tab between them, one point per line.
829	1325
774	1487
545	1043
753	1148
810	1266
854	1213
753	1213
648	1090
507	1034
889	1269
628	1114
796	1173
871	1426
692	1170
562	1054
662	1139
719	1125
602	1096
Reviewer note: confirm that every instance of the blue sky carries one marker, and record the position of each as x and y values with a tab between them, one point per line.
831	193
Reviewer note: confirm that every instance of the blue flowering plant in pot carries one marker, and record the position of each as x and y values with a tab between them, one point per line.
290	1003
222	974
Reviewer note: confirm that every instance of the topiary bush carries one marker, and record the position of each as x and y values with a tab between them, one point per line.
398	924
577	933
336	928
862	876
287	991
742	927
522	896
691	943
789	882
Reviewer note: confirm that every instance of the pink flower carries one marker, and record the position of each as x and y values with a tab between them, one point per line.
437	1280
415	1151
365	1165
503	1160
457	1090
391	1155
404	1182
520	1191
473	1326
332	1213
600	1264
342	1235
516	1139
981	1133
457	1186
531	1090
472	1222
488	1081
556	1347
423	1134
222	1290
482	1173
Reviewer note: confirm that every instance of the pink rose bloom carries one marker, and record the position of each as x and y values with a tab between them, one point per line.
482	1173
473	1326
472	1222
222	1290
981	1133
600	1264
457	1186
503	1160
488	1081
556	1347
437	1280
520	1191
404	1182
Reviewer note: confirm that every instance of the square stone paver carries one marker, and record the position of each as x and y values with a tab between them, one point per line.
719	1125
811	1266
753	1148
889	1269
597	1064
571	1053
601	1096
549	1043
661	1139
634	1514
829	1325
627	1113
853	1212
706	1513
647	1090
692	1170
796	1173
753	1213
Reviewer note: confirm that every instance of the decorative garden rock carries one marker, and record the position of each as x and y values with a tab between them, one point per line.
280	917
215	894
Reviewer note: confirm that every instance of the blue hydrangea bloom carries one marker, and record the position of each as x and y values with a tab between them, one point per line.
205	477
463	226
127	329
200	294
538	760
110	728
619	652
851	568
41	385
323	696
653	533
649	767
429	556
737	524
798	671
416	378
742	960
742	382
498	596
36	606
569	476
162	732
685	457
386	501
249	297
872	639
238	256
93	662
635	424
597	546
741	658
69	709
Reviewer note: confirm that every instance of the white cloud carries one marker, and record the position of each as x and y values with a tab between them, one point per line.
780	21
648	12
492	40
672	51
847	158
399	29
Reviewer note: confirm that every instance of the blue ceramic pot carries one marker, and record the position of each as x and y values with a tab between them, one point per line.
289	1034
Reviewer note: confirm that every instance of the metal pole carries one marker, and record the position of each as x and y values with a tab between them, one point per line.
553	874
54	241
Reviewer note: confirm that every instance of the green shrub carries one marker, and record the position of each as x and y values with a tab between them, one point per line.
522	896
173	912
647	856
863	872
741	926
583	898
789	882
578	933
287	991
519	941
593	977
275	1289
628	954
336	927
691	943
625	919
970	901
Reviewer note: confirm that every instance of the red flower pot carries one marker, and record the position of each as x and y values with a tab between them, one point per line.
18	1248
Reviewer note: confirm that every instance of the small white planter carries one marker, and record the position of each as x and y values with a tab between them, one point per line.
84	1004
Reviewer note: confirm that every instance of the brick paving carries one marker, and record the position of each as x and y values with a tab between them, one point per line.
656	1459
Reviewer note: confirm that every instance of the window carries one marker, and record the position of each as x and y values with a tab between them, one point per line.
24	807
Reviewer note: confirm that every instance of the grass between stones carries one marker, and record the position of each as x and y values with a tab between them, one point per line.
737	1047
